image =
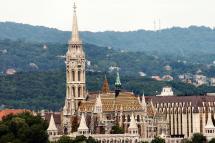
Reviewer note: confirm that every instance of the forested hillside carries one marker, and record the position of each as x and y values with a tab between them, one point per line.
37	54
46	90
33	57
183	42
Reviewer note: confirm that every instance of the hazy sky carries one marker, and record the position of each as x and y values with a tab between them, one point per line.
100	15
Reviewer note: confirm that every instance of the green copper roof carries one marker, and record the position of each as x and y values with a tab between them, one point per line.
118	82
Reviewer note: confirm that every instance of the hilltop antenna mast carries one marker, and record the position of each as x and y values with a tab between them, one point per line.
154	25
159	25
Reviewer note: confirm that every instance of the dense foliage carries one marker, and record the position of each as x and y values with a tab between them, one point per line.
212	140
27	57
158	140
177	41
117	130
23	128
46	90
78	139
198	138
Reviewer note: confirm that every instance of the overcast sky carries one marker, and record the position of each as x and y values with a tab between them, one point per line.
118	15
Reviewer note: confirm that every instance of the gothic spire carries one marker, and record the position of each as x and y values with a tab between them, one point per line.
143	101
118	82
105	87
75	33
117	85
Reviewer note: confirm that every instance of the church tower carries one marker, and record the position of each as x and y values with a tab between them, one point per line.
75	74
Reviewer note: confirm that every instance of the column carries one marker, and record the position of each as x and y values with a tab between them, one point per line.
179	121
172	123
184	124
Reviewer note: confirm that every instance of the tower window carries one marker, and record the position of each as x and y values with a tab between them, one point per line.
73	90
79	75
73	75
79	91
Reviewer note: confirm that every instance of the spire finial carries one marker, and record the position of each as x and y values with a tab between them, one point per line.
75	33
74	7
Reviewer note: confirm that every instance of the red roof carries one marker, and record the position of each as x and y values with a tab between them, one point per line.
6	112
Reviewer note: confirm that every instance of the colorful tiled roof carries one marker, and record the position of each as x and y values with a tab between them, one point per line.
125	100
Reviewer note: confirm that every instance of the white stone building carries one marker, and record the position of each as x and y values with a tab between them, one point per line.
141	118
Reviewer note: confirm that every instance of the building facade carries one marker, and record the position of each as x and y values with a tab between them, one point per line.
141	118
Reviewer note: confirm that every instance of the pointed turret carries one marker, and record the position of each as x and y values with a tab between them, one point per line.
83	129
209	127
209	124
133	129
105	87
143	101
52	129
98	105
133	124
52	126
118	84
75	33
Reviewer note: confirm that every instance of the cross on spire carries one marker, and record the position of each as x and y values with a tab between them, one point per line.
74	7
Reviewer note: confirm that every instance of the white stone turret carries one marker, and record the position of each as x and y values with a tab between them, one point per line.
83	129
52	129
143	102
133	129
209	127
98	105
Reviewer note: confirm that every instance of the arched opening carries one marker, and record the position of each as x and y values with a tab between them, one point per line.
65	130
79	75
73	75
79	91
73	91
128	118
138	118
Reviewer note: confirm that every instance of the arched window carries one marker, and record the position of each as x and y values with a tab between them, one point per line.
138	118
79	91
79	75
128	118
73	75
73	90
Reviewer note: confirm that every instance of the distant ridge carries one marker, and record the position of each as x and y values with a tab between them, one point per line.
176	40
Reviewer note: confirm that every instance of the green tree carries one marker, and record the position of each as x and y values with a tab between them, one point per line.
198	138
186	141
80	139
212	140
91	140
23	128
65	139
158	140
117	130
